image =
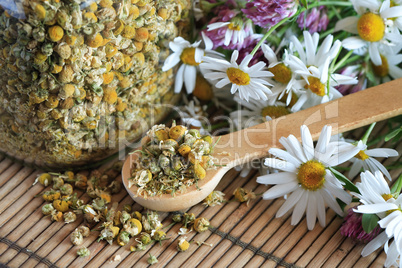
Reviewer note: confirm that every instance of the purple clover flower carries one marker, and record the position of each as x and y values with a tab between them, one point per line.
352	227
267	13
316	20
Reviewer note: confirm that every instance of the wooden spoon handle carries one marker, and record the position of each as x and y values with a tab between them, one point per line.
349	112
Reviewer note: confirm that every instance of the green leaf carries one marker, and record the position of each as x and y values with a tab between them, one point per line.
348	184
393	134
369	222
396	188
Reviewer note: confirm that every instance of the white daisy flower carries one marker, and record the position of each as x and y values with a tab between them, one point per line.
254	112
373	25
312	64
364	159
376	198
191	56
250	82
389	69
284	81
306	180
236	30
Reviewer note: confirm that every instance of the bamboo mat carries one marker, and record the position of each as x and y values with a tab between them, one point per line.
241	236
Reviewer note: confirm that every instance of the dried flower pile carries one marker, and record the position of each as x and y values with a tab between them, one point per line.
78	77
170	160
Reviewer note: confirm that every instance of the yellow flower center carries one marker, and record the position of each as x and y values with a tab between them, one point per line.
316	86
274	111
311	175
237	76
387	196
381	70
203	89
282	73
361	155
234	27
188	56
371	27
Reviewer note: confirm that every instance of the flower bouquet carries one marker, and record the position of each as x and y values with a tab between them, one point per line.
258	60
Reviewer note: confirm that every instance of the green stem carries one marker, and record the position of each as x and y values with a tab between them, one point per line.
341	62
367	134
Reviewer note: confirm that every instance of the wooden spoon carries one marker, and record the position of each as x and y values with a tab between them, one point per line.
349	112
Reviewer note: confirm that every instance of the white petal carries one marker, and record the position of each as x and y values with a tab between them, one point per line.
311	214
374	54
392	12
190	74
171	61
178	84
277	178
353	42
374	244
307	142
279	164
348	24
321	209
382	152
323	140
285	156
375	208
290	202
280	190
299	209
223	83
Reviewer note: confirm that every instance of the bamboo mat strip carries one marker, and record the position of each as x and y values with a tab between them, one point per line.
242	236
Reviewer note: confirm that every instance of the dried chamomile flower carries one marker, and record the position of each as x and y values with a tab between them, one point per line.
108	232
123	238
51	195
183	244
47	209
76	237
60	205
201	224
214	198
188	218
176	217
244	195
158	235
115	187
69	217
98	203
83	252
90	214
133	227
58	182
152	259
45	179
68	176
81	181
138	247
183	231
145	238
151	221
124	217
66	189
84	231
57	215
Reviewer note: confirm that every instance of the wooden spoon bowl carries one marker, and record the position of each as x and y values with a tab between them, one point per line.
344	114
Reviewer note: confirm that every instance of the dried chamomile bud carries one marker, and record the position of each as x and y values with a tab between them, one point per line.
84	231
145	238
188	218
51	195
214	198
124	217
66	189
151	221
76	238
57	182
201	224
183	244
69	217
60	205
123	238
243	195
81	181
90	214
161	135
68	176
159	235
115	187
152	259
199	171
176	217
138	247
98	203
45	179
133	227
83	252
195	133
47	209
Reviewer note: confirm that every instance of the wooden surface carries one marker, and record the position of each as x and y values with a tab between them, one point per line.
243	235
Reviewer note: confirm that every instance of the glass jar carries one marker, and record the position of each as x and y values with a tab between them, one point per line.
79	80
